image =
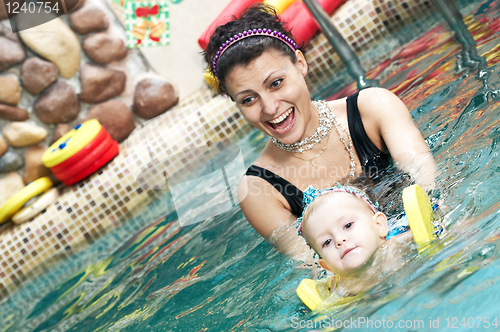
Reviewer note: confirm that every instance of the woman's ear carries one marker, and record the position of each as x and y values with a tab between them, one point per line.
323	264
381	222
301	62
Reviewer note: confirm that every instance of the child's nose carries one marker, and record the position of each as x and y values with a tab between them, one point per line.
340	240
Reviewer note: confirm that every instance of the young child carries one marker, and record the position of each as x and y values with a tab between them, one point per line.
345	229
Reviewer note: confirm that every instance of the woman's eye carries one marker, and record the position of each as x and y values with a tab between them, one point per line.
327	242
348	225
247	101
276	83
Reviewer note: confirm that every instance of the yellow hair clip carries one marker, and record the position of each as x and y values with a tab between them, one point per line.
211	80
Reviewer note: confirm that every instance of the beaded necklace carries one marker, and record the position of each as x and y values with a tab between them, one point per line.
326	120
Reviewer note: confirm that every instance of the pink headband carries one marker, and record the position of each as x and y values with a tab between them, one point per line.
311	193
355	193
255	32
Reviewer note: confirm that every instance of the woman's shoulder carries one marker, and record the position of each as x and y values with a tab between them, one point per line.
375	104
376	98
375	92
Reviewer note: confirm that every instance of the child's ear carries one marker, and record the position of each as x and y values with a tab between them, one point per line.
381	221
323	264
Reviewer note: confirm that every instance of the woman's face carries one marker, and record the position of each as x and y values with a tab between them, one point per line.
272	94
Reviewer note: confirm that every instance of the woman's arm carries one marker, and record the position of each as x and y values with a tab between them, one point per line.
383	111
262	206
266	211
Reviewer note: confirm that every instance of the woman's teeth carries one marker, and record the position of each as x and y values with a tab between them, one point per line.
284	129
282	117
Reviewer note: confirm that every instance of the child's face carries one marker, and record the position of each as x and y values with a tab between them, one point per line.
345	232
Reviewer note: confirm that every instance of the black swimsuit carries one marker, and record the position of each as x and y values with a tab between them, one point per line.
371	158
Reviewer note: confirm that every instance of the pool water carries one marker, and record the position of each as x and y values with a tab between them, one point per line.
220	275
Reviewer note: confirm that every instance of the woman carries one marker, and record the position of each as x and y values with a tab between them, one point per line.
312	143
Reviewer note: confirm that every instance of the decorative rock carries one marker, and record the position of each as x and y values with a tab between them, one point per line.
3	146
13	183
9	89
58	104
100	84
13	113
104	48
11	49
23	134
3	13
115	116
10	161
62	48
88	19
153	97
61	129
34	167
37	74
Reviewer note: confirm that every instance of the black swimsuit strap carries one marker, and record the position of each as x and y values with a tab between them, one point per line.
292	194
364	147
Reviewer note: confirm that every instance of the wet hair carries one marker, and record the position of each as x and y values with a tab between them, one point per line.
243	52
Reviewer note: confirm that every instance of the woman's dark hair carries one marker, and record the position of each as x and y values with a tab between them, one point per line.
258	16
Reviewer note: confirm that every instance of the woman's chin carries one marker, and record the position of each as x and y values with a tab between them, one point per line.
291	136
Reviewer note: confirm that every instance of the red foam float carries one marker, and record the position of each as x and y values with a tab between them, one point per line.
303	25
104	159
296	16
234	9
77	157
290	12
86	161
88	158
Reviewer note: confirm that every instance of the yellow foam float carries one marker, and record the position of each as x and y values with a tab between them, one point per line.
280	5
30	211
16	202
70	143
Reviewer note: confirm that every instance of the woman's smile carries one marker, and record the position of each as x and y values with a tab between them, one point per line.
283	123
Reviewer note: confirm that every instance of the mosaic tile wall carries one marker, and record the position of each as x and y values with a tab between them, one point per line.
93	207
362	23
97	205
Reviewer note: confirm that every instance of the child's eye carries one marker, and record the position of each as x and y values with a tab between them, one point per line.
348	225
276	83
327	242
